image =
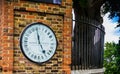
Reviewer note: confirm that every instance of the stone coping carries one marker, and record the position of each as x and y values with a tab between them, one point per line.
90	71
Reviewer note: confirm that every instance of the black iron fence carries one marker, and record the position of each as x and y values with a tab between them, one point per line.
88	44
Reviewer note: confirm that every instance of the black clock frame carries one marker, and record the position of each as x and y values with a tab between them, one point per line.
39	63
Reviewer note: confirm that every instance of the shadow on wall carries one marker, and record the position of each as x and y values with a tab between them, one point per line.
0	69
48	1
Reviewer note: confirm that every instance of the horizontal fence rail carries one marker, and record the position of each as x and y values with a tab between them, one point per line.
88	44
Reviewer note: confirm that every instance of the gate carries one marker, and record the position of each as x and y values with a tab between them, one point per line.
88	44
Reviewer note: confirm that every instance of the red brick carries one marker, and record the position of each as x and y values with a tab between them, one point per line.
30	16
31	9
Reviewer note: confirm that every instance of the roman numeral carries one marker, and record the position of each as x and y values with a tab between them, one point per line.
33	29
48	53
25	41
52	43
29	53
38	57
51	39
32	55
50	36
26	49
42	57
48	33
51	47
26	38
45	31
30	32
35	57
27	35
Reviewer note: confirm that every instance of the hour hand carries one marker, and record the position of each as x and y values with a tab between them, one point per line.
43	51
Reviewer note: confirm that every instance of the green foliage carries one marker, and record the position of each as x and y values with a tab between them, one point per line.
112	58
118	58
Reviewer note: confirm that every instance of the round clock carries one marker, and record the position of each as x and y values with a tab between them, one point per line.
38	42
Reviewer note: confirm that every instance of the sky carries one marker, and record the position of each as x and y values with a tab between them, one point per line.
112	33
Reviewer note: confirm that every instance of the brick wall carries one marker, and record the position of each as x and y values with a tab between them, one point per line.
21	64
6	38
0	38
16	16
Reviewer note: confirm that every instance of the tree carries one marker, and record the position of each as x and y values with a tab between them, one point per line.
110	58
87	8
118	57
92	8
112	6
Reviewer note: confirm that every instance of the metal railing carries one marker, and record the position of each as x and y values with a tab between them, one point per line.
88	44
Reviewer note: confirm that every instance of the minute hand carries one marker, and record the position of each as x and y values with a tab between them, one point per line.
38	37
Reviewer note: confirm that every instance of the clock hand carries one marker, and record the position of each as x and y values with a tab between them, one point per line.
38	37
43	51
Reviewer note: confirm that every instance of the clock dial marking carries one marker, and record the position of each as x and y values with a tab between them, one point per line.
45	31
48	33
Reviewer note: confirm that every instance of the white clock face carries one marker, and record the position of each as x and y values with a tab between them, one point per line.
38	42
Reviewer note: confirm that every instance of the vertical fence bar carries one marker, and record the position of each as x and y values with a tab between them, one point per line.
79	60
76	37
87	63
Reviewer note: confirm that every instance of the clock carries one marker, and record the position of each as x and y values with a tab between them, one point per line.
38	43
